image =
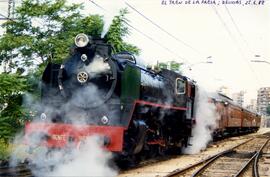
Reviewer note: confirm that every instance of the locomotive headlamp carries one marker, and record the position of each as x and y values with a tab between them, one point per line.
81	40
105	120
43	116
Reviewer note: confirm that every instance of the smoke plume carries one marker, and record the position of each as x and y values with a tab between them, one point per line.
206	121
114	9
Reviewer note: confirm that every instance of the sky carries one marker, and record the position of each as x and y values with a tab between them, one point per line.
228	35
231	34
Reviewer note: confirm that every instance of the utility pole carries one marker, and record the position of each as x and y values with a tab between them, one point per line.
11	9
10	12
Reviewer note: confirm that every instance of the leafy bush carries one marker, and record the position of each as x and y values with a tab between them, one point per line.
11	112
43	32
5	150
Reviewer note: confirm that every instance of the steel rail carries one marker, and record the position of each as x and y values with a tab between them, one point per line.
207	160
179	171
200	170
19	170
255	164
246	165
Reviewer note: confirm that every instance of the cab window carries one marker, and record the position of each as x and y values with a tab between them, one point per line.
180	86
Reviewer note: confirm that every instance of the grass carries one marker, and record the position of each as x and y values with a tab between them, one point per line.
5	150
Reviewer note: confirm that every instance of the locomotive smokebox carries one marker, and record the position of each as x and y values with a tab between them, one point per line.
89	71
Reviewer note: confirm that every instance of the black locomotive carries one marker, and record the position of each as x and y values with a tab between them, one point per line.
135	109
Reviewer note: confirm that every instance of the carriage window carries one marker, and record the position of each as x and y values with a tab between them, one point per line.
180	86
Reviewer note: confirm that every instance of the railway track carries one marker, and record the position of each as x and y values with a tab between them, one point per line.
262	162
219	164
20	170
235	161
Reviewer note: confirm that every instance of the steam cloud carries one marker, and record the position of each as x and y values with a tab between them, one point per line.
91	159
110	14
97	66
206	121
87	158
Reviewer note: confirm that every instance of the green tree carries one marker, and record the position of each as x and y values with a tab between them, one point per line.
118	31
45	29
171	65
11	113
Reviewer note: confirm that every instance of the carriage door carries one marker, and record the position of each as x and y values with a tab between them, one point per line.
181	91
190	100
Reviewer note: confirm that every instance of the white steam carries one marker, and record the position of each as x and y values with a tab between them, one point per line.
97	66
91	160
108	9
114	9
206	121
87	158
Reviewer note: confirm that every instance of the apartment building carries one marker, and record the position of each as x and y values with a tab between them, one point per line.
263	100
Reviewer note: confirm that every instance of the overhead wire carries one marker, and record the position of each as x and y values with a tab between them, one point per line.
236	43
6	18
245	41
162	29
237	28
144	34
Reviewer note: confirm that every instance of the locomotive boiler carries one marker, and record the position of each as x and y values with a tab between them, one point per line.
135	110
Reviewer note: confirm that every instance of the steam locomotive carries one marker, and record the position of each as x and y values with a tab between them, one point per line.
135	110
